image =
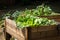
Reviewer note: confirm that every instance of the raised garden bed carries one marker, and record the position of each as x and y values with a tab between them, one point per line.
24	26
24	34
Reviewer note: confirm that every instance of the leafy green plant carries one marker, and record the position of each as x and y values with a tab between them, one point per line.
31	21
44	10
29	18
47	10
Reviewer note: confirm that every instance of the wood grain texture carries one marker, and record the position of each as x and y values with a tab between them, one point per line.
14	31
2	36
30	33
55	17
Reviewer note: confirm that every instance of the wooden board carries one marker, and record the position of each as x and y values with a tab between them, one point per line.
14	31
41	32
44	34
42	28
2	36
55	17
52	17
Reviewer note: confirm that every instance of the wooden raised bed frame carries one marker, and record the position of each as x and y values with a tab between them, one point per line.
24	34
54	17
